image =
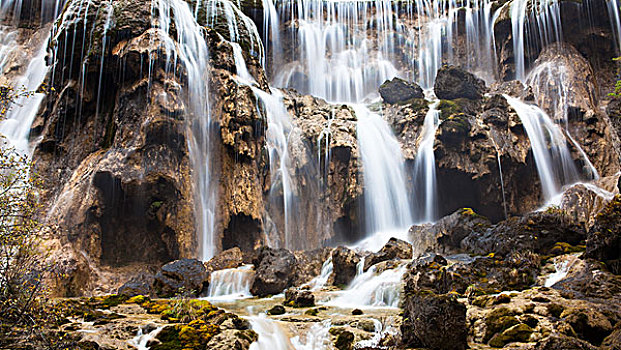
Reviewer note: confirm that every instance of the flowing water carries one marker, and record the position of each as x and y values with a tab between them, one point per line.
231	284
555	165
386	201
271	335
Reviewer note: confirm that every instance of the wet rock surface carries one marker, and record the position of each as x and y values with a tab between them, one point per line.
398	90
181	277
274	271
394	249
452	83
345	263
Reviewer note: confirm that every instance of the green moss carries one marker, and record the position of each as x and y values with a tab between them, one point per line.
107	301
138	299
518	333
498	320
344	341
311	312
448	108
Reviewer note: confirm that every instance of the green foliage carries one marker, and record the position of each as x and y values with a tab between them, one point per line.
617	90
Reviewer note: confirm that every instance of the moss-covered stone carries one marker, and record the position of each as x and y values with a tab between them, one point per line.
518	333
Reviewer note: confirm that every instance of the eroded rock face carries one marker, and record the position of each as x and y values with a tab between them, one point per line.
604	239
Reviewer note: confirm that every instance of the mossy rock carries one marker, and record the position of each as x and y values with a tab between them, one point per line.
107	301
344	341
518	333
448	108
555	310
276	310
311	312
194	335
138	299
498	320
561	248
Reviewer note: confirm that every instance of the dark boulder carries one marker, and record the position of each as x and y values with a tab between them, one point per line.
393	249
398	90
452	82
275	271
299	298
434	321
185	276
445	235
344	261
604	239
140	284
228	259
276	310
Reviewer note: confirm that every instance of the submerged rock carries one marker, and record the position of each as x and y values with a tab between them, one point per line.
181	277
452	83
275	271
398	90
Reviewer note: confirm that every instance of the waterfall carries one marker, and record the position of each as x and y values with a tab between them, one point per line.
552	157
550	84
230	284
191	50
615	21
518	24
386	201
18	120
141	340
271	335
316	338
425	167
321	280
372	289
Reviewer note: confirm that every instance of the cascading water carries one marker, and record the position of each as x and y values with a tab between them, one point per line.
191	50
230	284
326	270
16	125
317	337
271	336
425	167
549	146
386	201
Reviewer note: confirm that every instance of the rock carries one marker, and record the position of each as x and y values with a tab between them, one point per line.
518	333
454	130
276	310
445	235
398	90
536	232
228	259
589	324
562	342
452	83
275	269
309	264
356	312
366	325
392	250
299	298
185	276
613	341
436	322
141	284
604	239
345	262
344	340
232	339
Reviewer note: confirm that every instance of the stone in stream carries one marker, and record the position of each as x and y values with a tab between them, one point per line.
299	298
345	262
228	259
398	90
275	271
393	249
141	284
276	310
185	276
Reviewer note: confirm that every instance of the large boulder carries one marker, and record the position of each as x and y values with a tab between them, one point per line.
228	259
433	321
345	262
445	235
141	284
393	249
185	276
452	83
275	271
398	90
604	239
